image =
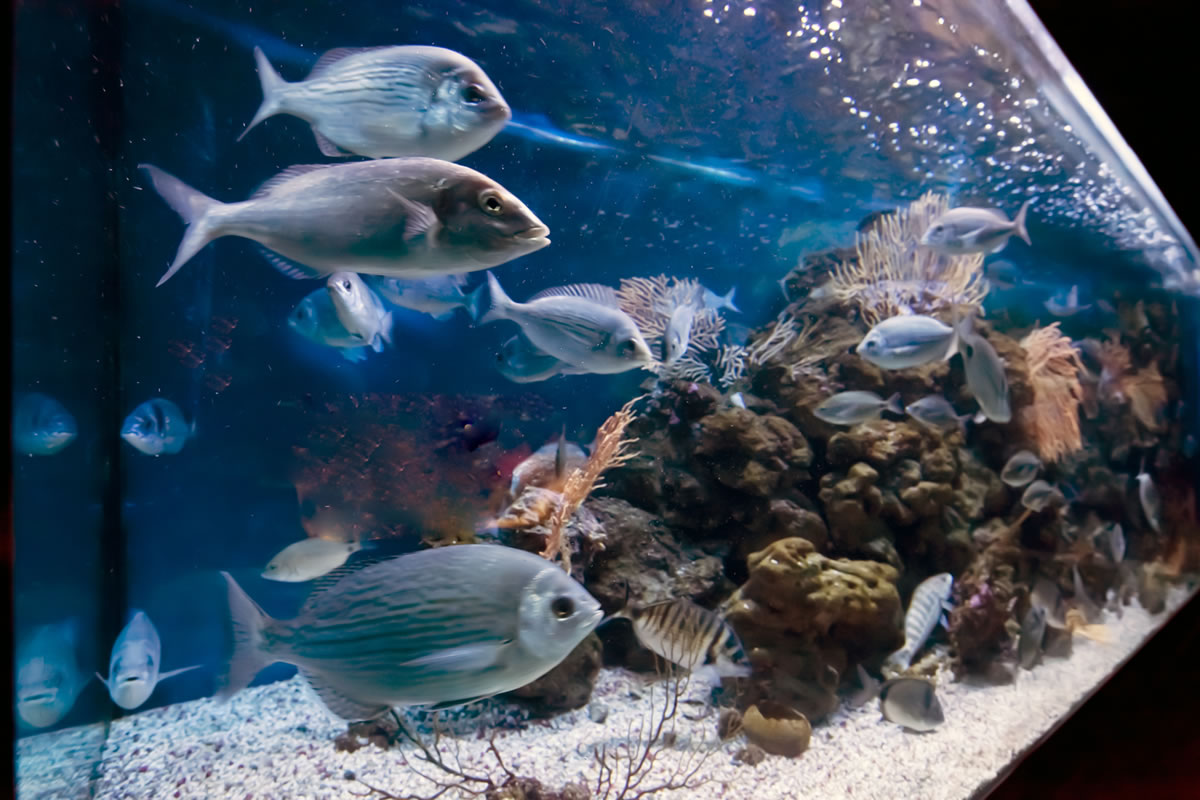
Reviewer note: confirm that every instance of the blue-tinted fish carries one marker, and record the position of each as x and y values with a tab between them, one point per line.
521	362
689	636
936	411
907	340
581	325
360	310
315	319
405	217
1065	303
133	668
986	376
440	627
157	427
438	297
48	676
852	408
974	230
929	600
382	102
1020	469
41	425
716	302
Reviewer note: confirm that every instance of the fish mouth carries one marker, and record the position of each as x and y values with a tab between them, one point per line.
534	233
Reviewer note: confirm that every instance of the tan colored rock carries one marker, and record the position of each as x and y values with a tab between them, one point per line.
777	729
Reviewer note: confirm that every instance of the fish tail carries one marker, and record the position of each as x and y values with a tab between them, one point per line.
1019	222
501	302
191	204
474	301
247	622
728	300
272	89
893	404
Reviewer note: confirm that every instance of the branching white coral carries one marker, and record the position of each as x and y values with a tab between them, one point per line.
651	301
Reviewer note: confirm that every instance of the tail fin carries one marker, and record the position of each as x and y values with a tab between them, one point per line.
728	300
1019	222
474	301
271	86
501	302
194	206
893	404
249	657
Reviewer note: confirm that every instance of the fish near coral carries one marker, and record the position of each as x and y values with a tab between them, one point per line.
911	703
853	408
907	340
1150	500
521	361
1033	632
929	600
1039	496
974	230
986	377
937	412
689	636
1020	469
309	559
547	467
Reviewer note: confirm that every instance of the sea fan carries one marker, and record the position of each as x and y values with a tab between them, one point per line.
650	302
1052	419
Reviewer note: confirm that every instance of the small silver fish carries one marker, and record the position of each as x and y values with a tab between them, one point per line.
48	677
911	703
315	319
360	310
679	332
1040	495
689	636
133	667
853	408
438	297
406	217
716	302
309	559
737	400
381	102
157	427
1029	640
41	425
1020	469
929	600
907	340
936	411
986	377
588	331
1150	499
1116	542
521	361
974	230
441	627
1065	303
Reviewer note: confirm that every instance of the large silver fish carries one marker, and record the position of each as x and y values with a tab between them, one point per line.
974	230
408	217
48	675
689	636
381	102
315	319
521	361
929	600
439	627
157	427
41	425
360	310
986	377
438	297
133	668
581	325
907	340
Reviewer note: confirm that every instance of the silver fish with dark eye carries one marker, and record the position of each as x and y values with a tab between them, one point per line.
974	230
133	668
360	310
986	376
315	319
48	679
911	703
936	411
157	427
381	102
41	425
405	217
441	628
907	340
438	297
855	407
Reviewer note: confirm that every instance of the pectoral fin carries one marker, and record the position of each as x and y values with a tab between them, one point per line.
162	676
420	220
328	148
467	658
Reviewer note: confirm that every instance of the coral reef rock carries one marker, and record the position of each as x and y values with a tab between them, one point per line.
777	729
752	454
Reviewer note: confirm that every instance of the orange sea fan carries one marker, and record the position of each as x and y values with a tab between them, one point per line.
1052	419
1145	390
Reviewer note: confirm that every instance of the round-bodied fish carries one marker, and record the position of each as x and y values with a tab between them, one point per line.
382	102
1021	469
521	361
936	411
315	319
133	668
907	340
440	628
360	310
974	230
855	407
406	217
689	636
309	559
157	427
911	703
48	678
41	425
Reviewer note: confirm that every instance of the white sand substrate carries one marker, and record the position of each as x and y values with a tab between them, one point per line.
276	741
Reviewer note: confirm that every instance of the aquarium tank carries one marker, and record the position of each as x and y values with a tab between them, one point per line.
560	399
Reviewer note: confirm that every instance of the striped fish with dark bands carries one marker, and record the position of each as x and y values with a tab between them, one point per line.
929	599
689	636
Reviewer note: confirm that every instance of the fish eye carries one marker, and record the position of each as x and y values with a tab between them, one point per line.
473	93
627	347
346	285
490	202
939	228
562	607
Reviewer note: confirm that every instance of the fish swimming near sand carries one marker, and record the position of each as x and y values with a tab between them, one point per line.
1150	499
1029	640
440	628
41	426
309	559
689	636
1020	469
986	377
974	230
855	407
133	668
316	319
911	703
404	217
48	679
382	102
907	340
581	325
929	600
158	427
360	310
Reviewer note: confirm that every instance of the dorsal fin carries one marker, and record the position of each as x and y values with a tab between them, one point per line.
596	292
272	183
293	269
331	57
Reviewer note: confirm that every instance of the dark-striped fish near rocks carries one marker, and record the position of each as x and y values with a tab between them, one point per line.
1021	469
911	703
381	102
689	636
974	230
41	425
407	217
440	628
929	600
133	668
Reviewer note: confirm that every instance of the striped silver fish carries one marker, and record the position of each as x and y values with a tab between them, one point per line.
382	102
689	636
440	628
929	600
